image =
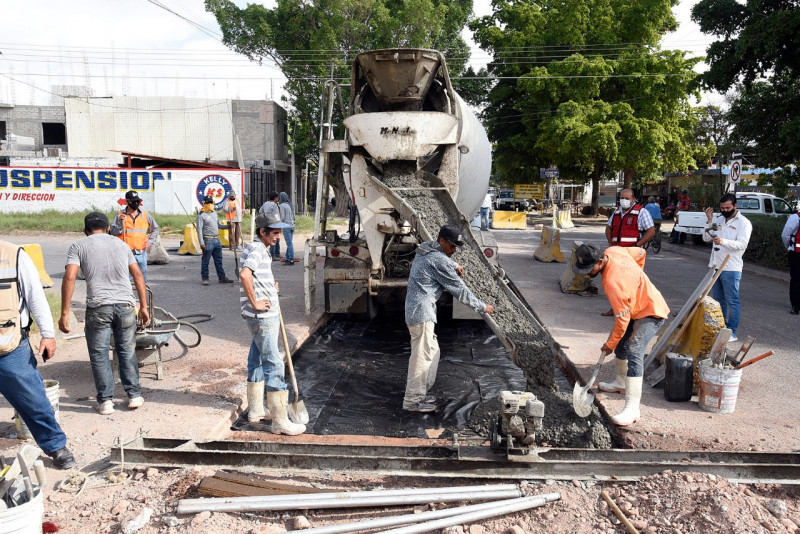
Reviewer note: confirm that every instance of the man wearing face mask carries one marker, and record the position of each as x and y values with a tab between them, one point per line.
132	225
731	237
639	310
630	225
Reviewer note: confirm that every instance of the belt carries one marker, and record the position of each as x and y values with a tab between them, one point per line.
138	252
211	236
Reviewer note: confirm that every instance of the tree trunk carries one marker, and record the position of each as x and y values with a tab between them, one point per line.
341	195
595	190
627	178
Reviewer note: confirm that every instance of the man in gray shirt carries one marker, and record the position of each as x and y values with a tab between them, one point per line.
432	272
106	263
208	226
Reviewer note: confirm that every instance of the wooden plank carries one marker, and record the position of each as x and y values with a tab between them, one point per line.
232	484
257	481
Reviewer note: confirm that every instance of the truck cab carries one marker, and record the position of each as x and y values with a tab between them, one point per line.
505	201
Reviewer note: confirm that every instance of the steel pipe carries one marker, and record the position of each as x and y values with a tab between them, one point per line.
502	509
342	500
383	522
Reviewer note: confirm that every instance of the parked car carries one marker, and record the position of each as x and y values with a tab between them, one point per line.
506	202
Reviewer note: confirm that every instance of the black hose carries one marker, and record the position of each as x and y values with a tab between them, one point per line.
205	317
176	335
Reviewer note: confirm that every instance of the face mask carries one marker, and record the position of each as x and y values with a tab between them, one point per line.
727	214
208	208
133	205
624	203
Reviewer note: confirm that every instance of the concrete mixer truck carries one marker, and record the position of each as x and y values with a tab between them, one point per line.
408	135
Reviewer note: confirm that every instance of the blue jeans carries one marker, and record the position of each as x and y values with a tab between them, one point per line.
633	344
100	323
726	292
213	248
264	362
484	218
22	386
141	261
288	234
275	250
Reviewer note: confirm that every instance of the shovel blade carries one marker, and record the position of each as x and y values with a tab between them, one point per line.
297	413
582	400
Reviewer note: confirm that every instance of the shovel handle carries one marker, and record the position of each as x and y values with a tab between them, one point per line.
288	358
754	360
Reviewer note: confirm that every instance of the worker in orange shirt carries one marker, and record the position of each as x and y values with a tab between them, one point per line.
132	225
233	212
639	311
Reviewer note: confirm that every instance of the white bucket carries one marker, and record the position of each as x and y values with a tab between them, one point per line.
51	388
26	518
718	387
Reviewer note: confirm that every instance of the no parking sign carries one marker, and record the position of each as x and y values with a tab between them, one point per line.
736	170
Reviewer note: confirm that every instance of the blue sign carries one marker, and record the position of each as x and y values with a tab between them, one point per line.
215	186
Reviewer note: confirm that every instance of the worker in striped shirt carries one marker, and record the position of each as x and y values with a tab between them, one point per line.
258	295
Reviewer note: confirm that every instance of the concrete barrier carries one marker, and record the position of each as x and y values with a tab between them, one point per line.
562	219
509	220
575	283
190	245
549	249
34	250
223	237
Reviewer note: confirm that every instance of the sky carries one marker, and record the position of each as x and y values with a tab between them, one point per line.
160	48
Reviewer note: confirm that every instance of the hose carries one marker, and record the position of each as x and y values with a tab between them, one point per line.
205	317
175	334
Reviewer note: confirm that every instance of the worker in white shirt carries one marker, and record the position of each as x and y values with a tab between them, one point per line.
791	240
730	232
486	207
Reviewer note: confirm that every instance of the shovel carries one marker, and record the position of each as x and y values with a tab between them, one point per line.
297	410
582	400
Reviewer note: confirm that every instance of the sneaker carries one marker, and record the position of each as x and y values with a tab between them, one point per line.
62	458
795	311
135	402
105	407
733	338
288	263
205	282
276	258
421	407
430	399
225	280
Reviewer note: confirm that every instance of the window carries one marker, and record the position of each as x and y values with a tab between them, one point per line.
782	207
767	205
54	133
748	204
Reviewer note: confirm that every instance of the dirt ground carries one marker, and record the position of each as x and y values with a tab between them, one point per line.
203	389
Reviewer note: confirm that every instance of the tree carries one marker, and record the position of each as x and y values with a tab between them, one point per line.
584	85
757	56
314	40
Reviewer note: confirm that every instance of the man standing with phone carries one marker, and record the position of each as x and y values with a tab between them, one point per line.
22	298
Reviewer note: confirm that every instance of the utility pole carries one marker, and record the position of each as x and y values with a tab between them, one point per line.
294	176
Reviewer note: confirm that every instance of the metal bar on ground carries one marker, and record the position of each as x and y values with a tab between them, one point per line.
501	509
307	502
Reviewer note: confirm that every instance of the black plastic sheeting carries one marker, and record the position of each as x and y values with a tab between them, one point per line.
352	377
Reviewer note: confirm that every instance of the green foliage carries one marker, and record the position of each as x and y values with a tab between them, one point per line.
765	247
584	85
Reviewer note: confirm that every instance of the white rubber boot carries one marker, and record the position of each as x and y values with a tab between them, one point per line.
633	394
618	385
279	405
255	402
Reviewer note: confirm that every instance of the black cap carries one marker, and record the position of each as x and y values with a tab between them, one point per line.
585	258
132	196
208	199
269	220
451	234
95	217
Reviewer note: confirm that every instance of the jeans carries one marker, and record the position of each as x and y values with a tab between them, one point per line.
275	250
726	292
100	323
423	364
264	362
141	261
23	387
288	235
633	344
213	248
484	218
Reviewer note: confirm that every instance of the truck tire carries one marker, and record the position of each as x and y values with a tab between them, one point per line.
697	239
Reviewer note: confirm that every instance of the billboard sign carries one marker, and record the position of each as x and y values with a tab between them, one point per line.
529	191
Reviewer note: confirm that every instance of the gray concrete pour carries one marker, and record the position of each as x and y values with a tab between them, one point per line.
203	387
768	399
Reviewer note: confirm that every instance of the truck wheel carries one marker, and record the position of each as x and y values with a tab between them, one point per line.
697	239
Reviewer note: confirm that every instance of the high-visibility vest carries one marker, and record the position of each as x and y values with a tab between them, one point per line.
11	329
134	231
231	215
625	230
796	238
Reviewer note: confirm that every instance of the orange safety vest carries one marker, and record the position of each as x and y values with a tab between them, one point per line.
134	231
231	215
625	230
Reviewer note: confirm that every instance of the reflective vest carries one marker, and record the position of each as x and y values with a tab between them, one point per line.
11	329
625	230
234	208
796	238
134	231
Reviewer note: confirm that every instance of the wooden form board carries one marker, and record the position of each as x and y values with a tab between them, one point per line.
228	484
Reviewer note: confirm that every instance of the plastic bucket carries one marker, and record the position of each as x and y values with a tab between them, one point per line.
26	518
51	389
718	388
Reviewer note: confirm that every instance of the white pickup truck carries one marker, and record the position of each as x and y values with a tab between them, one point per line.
694	222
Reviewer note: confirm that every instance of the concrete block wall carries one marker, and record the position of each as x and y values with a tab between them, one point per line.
27	121
260	126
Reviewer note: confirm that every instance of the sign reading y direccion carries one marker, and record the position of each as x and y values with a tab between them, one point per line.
68	189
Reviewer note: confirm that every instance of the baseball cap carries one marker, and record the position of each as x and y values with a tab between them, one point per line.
94	217
269	220
208	199
451	234
232	194
132	196
585	258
